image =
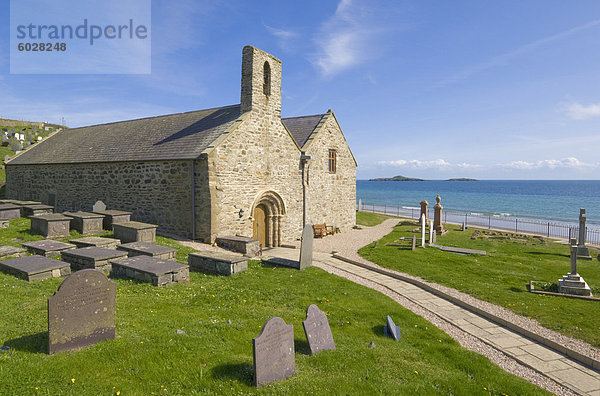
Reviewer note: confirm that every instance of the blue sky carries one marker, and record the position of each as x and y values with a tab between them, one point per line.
431	89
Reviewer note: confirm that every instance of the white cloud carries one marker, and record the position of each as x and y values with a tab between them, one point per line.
568	163
577	111
349	37
284	37
503	59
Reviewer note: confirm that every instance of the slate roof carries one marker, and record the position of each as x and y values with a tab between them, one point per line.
302	127
174	136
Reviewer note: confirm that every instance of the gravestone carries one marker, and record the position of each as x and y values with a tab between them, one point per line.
47	248
582	251
317	330
573	283
437	216
360	205
423	209
106	243
431	232
32	268
98	206
306	246
82	311
391	330
423	220
150	269
149	249
414	242
273	352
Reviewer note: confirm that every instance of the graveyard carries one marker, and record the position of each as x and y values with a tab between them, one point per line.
500	277
196	337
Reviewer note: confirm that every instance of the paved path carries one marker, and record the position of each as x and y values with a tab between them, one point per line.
568	372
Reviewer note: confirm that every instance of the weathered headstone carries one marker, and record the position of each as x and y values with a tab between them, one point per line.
423	219
431	232
391	330
317	330
423	209
414	242
306	247
273	352
98	206
82	311
582	251
437	216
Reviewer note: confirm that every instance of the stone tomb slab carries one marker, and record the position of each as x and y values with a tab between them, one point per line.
148	249
36	210
149	269
217	263
273	352
92	257
113	217
107	243
9	211
33	268
82	311
7	251
247	246
86	223
317	330
51	225
134	231
47	248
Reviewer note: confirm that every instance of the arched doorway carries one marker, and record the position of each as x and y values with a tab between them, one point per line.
267	212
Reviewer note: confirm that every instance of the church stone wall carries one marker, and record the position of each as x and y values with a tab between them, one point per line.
157	192
331	196
259	156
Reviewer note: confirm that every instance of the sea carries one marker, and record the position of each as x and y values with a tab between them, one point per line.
547	200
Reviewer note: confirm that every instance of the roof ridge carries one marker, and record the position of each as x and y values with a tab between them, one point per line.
313	115
157	116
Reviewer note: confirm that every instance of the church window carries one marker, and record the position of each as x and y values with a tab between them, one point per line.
267	79
332	164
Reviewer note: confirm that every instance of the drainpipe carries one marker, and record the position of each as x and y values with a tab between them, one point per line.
193	194
303	161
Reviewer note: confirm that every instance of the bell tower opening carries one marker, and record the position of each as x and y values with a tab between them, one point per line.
267	79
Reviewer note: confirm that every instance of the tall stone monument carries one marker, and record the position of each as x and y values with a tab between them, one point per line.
583	252
423	225
424	209
573	283
306	247
437	216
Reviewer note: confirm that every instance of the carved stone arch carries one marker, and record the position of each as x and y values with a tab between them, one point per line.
268	211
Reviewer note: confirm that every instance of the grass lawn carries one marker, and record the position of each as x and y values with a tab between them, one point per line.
370	219
215	357
502	276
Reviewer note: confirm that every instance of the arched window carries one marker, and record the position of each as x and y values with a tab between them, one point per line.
267	79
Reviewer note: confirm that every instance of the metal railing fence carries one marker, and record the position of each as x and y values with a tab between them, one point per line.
549	229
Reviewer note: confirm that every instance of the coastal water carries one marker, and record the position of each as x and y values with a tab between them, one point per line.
551	200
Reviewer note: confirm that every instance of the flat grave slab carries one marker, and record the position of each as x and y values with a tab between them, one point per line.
159	272
21	203
148	249
47	248
9	211
92	257
247	246
113	216
273	352
134	231
459	250
85	223
217	263
33	268
82	312
51	225
107	243
7	251
36	210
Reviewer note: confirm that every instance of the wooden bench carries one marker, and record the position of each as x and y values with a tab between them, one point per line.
322	230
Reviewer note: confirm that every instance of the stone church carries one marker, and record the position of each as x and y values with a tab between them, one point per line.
232	170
